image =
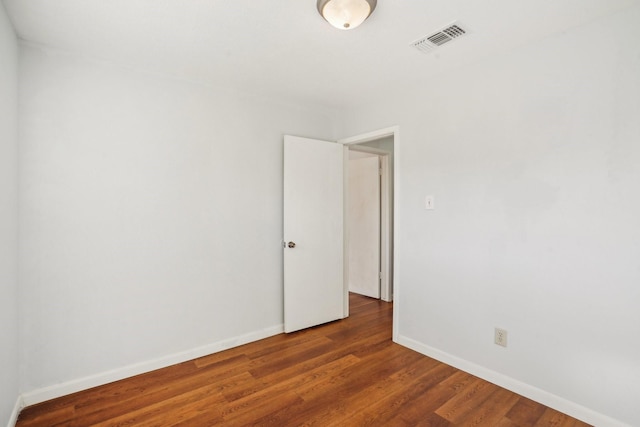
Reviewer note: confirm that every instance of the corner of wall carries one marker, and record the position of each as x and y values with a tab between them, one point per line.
9	336
13	419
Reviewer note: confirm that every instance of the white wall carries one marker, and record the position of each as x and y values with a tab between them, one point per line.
8	218
534	161
151	216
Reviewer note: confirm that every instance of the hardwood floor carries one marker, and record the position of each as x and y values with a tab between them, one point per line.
345	373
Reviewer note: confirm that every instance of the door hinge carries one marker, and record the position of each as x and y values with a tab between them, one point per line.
380	171
380	275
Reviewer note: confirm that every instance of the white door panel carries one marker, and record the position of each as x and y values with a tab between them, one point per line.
313	220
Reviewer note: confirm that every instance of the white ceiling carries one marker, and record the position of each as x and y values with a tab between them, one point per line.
284	48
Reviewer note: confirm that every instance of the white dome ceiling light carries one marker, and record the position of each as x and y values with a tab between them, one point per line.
346	14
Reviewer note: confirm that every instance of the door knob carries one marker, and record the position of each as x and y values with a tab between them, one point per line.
291	245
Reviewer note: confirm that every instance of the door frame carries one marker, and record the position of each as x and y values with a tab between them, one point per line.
395	253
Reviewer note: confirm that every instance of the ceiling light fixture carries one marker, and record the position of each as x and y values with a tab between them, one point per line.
346	14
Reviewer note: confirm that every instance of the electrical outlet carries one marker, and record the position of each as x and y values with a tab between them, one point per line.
500	337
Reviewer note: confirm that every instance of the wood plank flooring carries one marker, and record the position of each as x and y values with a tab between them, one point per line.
345	373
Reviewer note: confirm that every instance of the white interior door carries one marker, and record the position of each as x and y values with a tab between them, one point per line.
314	291
363	215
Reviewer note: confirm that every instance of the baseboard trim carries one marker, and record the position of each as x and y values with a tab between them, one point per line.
548	399
13	419
58	390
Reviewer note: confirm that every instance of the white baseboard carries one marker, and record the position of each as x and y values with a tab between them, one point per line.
13	419
556	402
58	390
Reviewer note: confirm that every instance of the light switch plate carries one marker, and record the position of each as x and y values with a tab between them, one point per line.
429	203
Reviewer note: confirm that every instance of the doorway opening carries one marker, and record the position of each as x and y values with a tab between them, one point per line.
369	219
370	214
316	238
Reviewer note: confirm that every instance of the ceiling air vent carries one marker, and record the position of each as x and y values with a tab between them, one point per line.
448	34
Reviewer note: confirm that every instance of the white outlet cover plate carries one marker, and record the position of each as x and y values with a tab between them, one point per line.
500	337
